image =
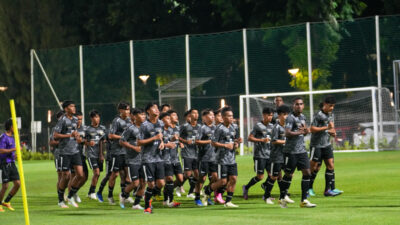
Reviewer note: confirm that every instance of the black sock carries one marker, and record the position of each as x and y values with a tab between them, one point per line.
333	185
268	187
103	183
166	194
156	191
305	182
207	189
221	190
282	189
169	186
137	199
329	176
192	182
286	181
73	191
122	185
252	182
229	197
60	195
136	189
197	196
110	191
9	197
92	189
125	194
147	196
313	176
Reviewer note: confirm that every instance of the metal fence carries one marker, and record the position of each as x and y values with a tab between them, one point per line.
199	70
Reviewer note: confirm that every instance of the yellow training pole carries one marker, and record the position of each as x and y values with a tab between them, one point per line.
19	157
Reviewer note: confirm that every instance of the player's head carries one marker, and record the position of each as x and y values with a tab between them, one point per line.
166	118
94	117
8	125
59	114
174	116
139	116
267	113
207	116
283	111
278	100
218	117
152	109
69	107
298	105
194	114
329	104
165	107
79	115
123	109
227	115
186	115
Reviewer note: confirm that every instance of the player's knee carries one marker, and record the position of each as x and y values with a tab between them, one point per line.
4	186
260	176
224	182
136	183
17	183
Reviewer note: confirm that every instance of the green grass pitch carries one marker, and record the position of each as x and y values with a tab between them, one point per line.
371	182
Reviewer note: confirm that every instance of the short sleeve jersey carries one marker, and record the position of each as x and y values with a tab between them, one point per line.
7	142
260	131
321	139
225	135
295	144
151	151
168	135
278	133
132	135
174	156
67	146
97	135
207	152
82	132
118	126
188	132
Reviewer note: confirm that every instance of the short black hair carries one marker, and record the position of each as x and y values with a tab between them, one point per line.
297	98
165	105
186	114
206	111
330	99
283	109
66	103
191	110
94	113
217	111
122	105
267	110
278	96
135	111
226	109
149	105
59	114
78	113
164	114
171	111
8	124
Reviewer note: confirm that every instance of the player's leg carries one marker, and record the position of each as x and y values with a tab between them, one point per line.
149	172
78	179
230	187
160	177
330	185
259	176
104	181
303	164
94	166
315	165
289	169
273	173
202	176
140	191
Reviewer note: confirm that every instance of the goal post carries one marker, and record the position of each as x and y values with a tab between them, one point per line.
355	114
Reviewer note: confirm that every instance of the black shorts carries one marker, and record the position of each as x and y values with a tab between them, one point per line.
117	163
224	171
67	162
135	171
276	169
94	163
260	165
190	164
84	165
8	172
299	161
172	169
319	154
207	168
57	163
154	171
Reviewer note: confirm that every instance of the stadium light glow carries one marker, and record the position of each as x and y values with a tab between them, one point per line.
3	88
293	71
144	78
49	116
222	103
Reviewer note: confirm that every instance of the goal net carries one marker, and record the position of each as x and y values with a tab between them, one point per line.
365	118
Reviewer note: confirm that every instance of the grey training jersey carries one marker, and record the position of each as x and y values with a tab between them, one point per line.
261	131
207	152
132	135
321	139
118	126
225	135
168	135
275	118
56	151
151	151
295	144
96	134
82	132
67	146
278	133
174	157
188	132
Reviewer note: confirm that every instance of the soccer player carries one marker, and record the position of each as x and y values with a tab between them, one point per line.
207	157
218	117
295	153
187	136
226	140
66	132
278	100
134	168
118	153
165	107
174	154
151	139
103	183
54	144
169	139
95	134
322	129
278	140
9	171
261	136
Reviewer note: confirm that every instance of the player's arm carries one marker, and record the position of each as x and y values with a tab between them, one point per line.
275	138
59	135
113	130
124	141
4	150
289	126
145	141
215	142
199	140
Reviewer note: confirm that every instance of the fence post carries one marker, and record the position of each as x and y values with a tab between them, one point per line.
246	79
132	63
81	81
188	101
378	68
33	134
309	60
